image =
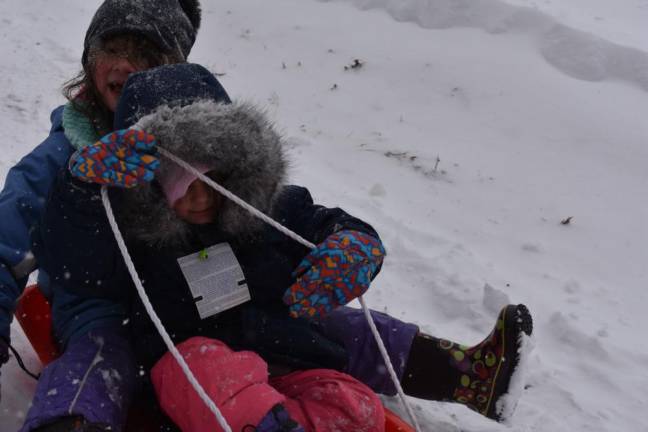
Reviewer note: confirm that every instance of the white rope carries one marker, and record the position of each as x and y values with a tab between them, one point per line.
156	320
257	213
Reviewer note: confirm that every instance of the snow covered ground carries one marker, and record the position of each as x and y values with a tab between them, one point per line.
473	128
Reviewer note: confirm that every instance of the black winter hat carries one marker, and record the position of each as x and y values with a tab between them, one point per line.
176	84
171	25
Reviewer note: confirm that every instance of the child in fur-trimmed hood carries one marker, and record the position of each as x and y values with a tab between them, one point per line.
216	276
177	228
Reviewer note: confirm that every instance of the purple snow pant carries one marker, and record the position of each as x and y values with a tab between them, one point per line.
349	327
95	377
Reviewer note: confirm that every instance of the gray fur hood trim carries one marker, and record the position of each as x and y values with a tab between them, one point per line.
236	141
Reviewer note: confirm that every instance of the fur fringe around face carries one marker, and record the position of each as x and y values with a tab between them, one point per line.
236	141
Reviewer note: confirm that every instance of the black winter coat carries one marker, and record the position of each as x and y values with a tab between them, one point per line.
76	246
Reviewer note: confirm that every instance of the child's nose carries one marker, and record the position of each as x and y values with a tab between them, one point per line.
122	64
201	192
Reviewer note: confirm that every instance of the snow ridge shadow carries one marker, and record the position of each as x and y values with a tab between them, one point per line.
576	53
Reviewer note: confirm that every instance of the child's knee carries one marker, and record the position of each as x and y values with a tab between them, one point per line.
211	361
235	381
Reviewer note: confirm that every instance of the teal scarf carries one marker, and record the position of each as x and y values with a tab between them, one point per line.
78	127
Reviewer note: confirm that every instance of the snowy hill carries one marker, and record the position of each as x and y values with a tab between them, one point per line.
472	129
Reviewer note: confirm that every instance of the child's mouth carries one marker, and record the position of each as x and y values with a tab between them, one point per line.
204	211
115	87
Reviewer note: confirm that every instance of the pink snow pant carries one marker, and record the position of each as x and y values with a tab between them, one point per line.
320	400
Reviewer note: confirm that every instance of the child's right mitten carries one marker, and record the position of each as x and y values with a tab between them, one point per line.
339	270
122	158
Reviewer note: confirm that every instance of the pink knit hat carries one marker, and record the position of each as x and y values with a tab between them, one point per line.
177	180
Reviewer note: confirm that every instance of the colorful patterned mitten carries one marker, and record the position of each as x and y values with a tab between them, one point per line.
337	271
123	158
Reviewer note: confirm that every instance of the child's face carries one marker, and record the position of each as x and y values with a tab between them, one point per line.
199	205
113	62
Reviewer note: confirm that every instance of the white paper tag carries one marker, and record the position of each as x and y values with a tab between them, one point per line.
215	279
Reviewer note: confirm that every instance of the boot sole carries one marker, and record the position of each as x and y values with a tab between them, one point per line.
517	321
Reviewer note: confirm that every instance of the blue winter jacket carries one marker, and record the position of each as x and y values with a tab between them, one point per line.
21	205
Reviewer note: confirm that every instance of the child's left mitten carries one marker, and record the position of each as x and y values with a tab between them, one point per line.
339	270
123	158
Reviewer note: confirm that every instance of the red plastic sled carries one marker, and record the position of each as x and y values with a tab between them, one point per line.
33	313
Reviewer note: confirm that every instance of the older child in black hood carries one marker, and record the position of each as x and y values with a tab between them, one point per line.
124	36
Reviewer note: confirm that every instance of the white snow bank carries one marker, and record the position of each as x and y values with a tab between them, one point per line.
577	53
587	57
619	21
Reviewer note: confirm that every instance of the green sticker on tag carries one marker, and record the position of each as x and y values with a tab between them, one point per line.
203	255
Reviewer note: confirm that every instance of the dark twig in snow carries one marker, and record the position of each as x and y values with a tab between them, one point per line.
357	64
567	221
